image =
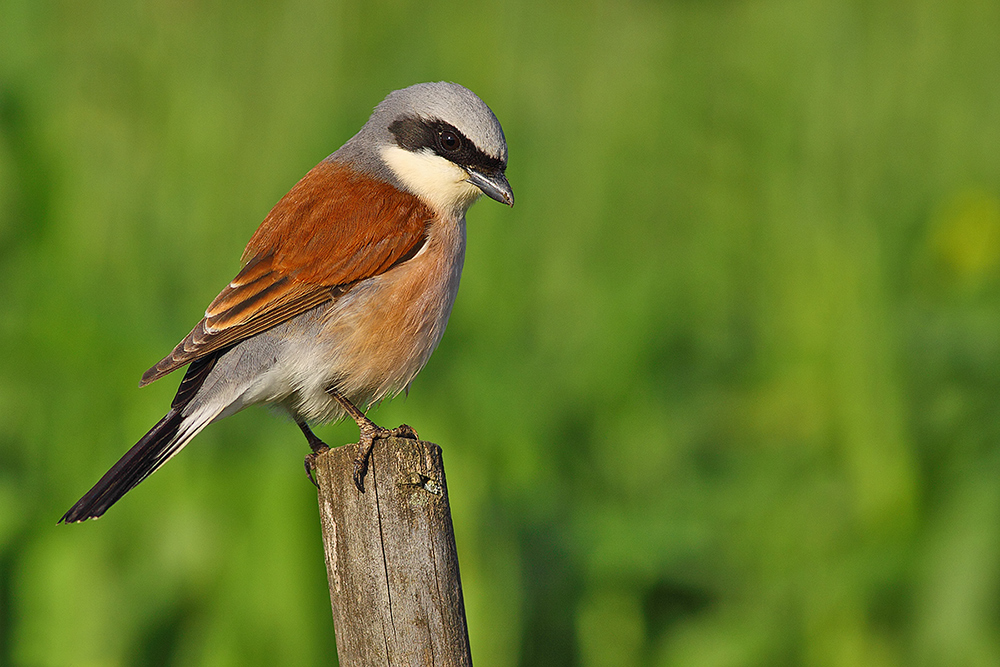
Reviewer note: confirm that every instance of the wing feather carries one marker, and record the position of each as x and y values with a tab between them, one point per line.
333	229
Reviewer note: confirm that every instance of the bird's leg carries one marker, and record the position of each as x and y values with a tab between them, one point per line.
316	445
370	432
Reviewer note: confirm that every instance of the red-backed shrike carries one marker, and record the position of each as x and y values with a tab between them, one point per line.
346	286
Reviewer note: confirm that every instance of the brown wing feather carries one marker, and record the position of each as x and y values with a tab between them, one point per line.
334	228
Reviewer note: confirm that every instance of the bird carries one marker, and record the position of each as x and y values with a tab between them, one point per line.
345	288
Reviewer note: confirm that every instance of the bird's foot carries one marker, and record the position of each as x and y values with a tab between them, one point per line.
310	463
317	446
370	432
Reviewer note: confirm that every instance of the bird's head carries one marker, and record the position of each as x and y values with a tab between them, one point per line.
438	141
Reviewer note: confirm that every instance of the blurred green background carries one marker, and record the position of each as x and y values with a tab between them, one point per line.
720	390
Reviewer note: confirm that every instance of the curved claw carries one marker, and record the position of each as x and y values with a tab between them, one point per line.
367	442
404	431
360	470
310	464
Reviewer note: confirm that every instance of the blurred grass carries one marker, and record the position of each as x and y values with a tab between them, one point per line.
720	390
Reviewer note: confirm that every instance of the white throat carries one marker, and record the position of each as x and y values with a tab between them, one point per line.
443	185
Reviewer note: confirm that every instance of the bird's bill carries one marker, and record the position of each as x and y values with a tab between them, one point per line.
494	186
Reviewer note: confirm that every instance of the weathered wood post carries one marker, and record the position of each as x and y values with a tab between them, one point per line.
391	559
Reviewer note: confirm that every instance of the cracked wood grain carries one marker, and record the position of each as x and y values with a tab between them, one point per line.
390	558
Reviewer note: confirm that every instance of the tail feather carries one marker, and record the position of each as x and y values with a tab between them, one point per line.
153	450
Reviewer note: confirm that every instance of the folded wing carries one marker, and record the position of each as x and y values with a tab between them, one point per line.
333	229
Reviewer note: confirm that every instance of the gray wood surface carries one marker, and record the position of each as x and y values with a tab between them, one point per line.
391	558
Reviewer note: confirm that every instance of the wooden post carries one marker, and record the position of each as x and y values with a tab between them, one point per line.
391	559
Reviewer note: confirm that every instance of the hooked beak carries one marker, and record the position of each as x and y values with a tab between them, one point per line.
494	186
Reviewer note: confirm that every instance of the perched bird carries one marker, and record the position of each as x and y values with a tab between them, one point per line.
346	286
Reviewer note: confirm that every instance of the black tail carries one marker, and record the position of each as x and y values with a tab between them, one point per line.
152	451
138	463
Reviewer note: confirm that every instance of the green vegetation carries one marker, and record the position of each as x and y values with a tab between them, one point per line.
721	390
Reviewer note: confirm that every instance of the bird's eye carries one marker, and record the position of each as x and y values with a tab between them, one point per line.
449	141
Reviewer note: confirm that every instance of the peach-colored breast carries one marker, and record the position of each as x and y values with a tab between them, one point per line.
383	331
